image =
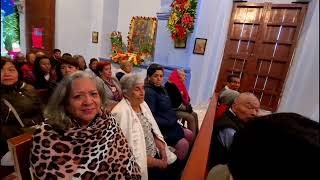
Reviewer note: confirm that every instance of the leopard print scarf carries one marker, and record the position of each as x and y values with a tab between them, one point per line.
98	151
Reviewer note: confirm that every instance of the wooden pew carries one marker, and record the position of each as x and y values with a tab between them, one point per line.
20	149
196	167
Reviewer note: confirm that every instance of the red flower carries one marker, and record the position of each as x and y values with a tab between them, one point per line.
181	31
187	20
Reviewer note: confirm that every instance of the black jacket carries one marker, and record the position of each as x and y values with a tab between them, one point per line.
218	153
28	105
160	105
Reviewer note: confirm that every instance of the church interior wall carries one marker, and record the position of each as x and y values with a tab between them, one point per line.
76	19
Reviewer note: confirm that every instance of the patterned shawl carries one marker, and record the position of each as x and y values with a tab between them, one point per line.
96	151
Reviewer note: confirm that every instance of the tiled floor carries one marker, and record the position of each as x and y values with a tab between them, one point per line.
201	110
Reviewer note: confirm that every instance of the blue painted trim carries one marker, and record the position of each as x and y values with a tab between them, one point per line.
163	16
145	66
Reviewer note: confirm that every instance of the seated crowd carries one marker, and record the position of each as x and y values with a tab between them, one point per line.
93	125
75	125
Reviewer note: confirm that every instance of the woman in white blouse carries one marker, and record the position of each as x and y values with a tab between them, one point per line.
142	132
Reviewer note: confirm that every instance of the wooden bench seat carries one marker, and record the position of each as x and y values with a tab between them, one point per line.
197	165
20	149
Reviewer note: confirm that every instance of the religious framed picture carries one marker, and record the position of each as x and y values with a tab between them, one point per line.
180	43
142	35
199	46
95	36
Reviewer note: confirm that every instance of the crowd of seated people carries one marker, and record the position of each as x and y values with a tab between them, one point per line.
70	126
93	126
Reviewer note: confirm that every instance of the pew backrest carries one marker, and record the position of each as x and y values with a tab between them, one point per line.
20	149
197	165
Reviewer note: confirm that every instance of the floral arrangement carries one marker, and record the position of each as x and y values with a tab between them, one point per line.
181	20
141	41
116	42
135	58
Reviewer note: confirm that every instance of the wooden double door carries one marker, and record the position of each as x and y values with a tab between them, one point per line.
260	47
40	14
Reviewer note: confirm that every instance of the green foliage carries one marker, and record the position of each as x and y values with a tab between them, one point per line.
11	30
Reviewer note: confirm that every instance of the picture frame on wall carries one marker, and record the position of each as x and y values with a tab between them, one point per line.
95	36
199	46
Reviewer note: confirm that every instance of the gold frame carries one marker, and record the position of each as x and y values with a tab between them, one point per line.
142	29
95	37
199	46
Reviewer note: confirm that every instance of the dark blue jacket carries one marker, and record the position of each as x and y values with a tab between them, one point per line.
160	105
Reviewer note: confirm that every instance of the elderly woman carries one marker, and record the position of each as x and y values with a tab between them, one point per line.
112	87
20	106
160	104
141	130
181	100
79	140
126	67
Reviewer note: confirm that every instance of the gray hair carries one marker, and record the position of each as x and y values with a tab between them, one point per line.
228	96
55	110
128	81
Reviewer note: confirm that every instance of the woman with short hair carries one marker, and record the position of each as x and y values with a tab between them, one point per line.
66	67
160	104
141	130
79	140
113	88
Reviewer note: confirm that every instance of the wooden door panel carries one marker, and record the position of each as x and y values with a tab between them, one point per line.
40	14
260	45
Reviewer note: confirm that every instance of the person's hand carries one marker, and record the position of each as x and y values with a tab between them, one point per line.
163	155
162	164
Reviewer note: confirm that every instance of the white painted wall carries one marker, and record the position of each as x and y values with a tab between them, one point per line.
301	93
77	19
130	8
212	24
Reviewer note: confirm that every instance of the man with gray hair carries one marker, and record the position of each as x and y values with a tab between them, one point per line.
245	107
